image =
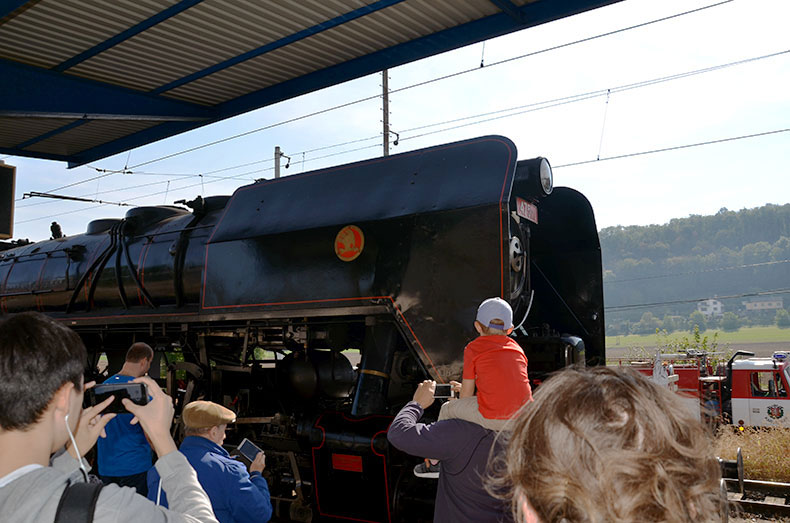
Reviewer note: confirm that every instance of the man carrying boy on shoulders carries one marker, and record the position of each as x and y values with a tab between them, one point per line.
496	366
463	447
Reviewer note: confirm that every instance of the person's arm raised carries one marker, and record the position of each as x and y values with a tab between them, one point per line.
418	439
90	427
424	395
156	417
187	499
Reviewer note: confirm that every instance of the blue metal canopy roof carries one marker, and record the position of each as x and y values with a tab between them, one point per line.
86	80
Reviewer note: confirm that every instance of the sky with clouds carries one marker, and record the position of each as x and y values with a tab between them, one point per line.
551	102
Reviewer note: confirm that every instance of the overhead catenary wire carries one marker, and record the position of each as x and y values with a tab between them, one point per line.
617	308
106	173
520	109
556	102
82	209
216	179
603	125
200	184
436	79
71	198
377	145
426	82
97	193
692	273
674	148
534	105
207	174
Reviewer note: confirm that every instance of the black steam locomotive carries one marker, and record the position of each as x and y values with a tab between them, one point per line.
262	300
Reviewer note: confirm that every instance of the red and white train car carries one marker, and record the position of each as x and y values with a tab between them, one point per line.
760	389
747	392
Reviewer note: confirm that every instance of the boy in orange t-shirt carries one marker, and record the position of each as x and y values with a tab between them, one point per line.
496	366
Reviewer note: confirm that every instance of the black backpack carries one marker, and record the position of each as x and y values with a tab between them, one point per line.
78	503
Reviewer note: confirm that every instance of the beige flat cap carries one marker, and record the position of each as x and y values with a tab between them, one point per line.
204	414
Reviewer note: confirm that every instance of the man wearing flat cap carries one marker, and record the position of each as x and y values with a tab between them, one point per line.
236	496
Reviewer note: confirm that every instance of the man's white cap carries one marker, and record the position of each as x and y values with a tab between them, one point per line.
495	309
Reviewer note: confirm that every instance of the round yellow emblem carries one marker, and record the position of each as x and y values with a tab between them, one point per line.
349	243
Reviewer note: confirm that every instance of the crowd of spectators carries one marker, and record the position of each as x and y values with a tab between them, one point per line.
593	445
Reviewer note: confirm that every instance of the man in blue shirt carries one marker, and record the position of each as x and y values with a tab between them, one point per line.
236	496
125	455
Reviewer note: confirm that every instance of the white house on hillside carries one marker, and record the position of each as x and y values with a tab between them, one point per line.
709	307
764	304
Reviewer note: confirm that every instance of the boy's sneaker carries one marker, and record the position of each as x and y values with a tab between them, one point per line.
426	469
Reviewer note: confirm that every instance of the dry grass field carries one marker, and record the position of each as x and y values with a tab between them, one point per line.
766	452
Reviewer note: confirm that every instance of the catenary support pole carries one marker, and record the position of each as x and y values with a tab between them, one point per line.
385	97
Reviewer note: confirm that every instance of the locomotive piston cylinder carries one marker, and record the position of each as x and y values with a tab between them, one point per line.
375	368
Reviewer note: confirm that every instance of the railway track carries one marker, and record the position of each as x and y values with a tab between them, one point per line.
764	498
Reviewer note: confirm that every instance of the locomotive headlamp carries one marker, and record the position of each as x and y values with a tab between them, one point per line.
546	177
534	178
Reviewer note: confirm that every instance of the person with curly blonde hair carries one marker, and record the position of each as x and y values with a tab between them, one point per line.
607	445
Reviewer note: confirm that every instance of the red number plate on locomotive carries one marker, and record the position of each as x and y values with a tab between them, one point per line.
527	210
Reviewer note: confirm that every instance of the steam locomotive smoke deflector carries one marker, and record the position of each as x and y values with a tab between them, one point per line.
412	160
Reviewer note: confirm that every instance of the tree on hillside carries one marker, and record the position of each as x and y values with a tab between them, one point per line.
647	325
726	229
756	252
762	317
730	322
782	319
729	253
697	319
668	324
780	250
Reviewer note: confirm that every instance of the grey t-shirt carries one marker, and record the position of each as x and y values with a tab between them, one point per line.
34	496
463	449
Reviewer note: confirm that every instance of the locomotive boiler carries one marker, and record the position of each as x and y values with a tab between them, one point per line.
313	304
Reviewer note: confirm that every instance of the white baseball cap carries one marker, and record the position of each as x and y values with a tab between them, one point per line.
495	309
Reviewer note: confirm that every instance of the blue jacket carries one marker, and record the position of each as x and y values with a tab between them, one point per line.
236	496
125	451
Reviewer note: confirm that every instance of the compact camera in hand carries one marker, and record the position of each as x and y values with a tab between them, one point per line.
443	390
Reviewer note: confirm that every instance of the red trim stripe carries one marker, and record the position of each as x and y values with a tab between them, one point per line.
435	370
315	471
324	300
386	479
501	228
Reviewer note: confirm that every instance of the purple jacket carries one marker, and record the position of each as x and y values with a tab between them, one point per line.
463	449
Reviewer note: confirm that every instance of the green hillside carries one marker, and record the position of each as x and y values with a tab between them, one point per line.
733	255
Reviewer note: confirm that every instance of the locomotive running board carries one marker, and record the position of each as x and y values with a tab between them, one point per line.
195	317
